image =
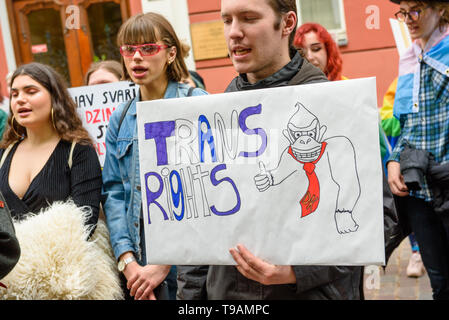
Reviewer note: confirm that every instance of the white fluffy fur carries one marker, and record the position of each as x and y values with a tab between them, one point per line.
57	262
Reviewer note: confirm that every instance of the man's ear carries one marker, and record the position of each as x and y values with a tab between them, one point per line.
289	23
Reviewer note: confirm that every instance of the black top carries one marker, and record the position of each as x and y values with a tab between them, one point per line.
297	71
56	182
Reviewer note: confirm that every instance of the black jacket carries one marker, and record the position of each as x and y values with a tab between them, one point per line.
438	176
9	246
417	164
313	282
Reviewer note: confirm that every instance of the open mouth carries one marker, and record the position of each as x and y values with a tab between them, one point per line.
23	111
412	29
139	71
238	52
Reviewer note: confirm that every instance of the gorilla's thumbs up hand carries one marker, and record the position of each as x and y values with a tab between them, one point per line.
264	179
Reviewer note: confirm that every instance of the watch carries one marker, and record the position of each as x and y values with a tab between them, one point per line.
123	263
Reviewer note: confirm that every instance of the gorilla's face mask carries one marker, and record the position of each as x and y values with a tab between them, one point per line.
305	135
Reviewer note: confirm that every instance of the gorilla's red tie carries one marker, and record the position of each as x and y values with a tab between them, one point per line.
311	199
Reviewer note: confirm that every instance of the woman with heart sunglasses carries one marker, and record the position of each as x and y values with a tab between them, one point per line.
152	57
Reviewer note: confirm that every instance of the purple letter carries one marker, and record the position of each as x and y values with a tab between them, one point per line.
177	196
215	182
208	137
159	131
259	131
152	196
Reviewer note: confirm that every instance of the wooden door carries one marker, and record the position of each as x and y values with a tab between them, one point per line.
67	34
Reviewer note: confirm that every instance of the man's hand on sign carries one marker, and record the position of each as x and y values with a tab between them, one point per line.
259	270
143	280
396	180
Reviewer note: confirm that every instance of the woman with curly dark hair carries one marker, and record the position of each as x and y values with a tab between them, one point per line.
45	134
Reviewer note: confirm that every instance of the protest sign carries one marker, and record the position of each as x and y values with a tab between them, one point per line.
293	173
95	106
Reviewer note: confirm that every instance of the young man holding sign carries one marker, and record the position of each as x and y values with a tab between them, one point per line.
259	35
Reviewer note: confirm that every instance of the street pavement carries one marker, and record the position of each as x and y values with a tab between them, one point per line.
394	283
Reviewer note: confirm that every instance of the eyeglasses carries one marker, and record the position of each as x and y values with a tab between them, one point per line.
146	49
412	14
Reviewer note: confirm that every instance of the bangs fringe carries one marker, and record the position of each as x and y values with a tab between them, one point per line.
139	31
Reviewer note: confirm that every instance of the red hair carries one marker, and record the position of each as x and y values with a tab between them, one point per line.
334	61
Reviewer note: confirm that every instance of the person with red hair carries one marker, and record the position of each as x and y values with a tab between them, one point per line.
320	49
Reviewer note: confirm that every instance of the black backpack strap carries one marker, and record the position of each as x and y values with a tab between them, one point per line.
125	111
189	93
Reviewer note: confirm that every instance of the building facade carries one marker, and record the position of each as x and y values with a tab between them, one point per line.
71	34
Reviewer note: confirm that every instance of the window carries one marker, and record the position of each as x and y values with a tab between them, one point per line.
328	13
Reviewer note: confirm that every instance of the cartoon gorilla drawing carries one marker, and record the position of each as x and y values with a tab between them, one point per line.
308	150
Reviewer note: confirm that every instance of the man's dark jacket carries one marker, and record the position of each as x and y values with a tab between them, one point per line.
9	246
312	282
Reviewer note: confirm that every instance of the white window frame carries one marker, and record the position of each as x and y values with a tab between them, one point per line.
7	39
339	35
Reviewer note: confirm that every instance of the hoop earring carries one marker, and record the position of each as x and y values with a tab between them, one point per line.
53	119
12	127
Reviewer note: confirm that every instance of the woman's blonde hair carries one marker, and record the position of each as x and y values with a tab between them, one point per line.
149	28
111	66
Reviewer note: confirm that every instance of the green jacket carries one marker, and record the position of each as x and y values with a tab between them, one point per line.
3	118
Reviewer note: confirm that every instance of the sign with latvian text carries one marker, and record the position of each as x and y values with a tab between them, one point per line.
95	106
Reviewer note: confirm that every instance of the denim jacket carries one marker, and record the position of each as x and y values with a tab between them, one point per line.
121	175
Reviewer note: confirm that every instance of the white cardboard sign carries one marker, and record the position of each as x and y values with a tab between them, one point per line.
293	173
95	106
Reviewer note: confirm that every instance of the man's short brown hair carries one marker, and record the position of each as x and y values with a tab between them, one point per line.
281	7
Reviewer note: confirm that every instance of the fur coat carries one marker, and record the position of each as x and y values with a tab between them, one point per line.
57	262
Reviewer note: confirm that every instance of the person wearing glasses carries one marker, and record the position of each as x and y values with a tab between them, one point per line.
422	107
152	57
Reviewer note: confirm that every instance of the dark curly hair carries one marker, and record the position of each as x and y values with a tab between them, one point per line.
65	118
